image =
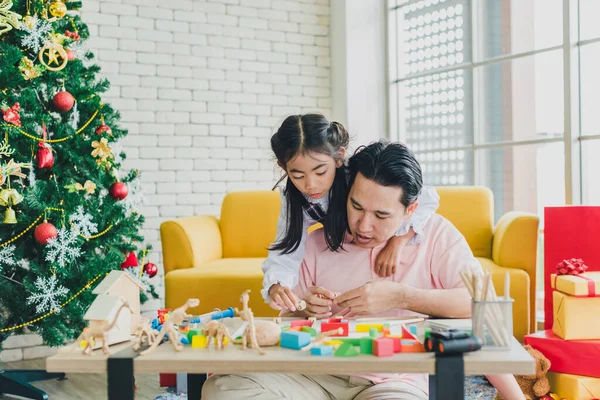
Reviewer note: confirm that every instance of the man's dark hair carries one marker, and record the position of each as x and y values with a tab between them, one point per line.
388	164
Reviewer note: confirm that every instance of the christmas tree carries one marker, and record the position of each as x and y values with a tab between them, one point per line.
68	212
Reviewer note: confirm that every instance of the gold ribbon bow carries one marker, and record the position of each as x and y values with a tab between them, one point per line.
8	19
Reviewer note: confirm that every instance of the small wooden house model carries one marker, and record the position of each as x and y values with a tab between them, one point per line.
117	287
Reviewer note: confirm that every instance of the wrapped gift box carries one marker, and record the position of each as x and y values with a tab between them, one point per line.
576	318
584	285
579	357
569	232
574	387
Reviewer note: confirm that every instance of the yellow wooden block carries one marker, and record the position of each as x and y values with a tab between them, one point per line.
333	343
199	341
367	327
226	341
83	343
572	317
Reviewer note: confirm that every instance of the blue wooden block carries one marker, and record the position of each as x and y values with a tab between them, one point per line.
412	329
294	339
321	350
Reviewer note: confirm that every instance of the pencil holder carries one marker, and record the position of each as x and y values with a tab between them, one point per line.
492	323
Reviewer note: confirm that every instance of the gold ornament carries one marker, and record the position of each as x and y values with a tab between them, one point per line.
28	21
8	19
8	198
10	217
28	70
101	150
53	53
88	186
58	9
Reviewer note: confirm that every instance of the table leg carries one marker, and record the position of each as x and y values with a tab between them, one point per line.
120	375
449	379
194	384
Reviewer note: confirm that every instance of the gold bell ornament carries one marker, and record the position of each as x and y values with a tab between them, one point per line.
8	198
58	9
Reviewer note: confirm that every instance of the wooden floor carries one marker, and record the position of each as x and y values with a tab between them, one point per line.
84	386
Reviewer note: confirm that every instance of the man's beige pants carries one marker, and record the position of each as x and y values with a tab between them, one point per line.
304	387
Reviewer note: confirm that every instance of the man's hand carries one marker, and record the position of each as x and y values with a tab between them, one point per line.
282	298
318	302
389	258
372	298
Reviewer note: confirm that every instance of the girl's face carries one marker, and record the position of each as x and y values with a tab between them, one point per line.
313	173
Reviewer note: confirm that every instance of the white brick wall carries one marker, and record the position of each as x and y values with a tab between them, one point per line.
201	85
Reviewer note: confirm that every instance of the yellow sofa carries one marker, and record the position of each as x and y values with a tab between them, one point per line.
215	260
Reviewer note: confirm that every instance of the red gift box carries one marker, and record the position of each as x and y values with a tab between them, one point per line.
569	232
577	357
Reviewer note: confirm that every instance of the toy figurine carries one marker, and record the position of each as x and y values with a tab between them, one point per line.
169	327
257	333
98	330
216	330
144	334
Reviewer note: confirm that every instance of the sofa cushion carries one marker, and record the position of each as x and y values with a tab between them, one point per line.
248	223
471	211
218	284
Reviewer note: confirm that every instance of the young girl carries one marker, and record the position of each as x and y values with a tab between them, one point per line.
311	151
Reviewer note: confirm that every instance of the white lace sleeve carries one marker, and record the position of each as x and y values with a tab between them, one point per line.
429	201
283	268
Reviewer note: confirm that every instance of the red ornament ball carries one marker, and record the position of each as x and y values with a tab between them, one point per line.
103	128
151	269
44	232
118	190
70	54
63	101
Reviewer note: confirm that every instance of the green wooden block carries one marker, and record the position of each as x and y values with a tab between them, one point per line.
373	332
193	332
427	332
346	350
366	345
312	331
352	341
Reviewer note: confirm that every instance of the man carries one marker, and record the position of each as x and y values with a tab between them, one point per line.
385	181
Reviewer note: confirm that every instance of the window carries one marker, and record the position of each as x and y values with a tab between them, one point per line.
500	93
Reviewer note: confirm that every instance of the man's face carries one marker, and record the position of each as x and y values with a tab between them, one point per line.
375	212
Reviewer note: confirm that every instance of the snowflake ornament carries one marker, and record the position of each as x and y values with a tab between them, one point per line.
7	255
82	223
36	35
63	248
48	296
23	263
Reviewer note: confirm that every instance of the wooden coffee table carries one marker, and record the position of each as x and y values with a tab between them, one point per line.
446	373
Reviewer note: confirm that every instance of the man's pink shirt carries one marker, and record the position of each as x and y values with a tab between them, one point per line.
433	264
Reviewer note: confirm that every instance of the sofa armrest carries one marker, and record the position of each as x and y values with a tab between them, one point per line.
514	246
520	288
190	241
515	241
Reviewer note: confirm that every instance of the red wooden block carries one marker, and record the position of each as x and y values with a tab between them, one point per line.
383	347
333	324
301	322
407	335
